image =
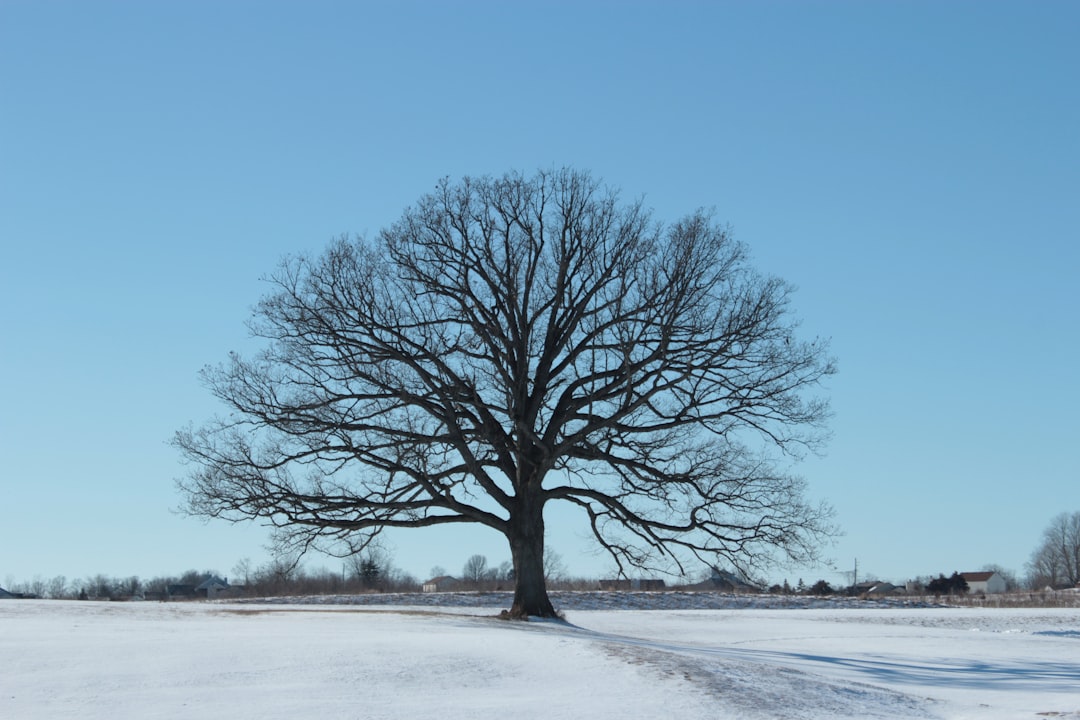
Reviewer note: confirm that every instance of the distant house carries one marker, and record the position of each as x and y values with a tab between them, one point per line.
5	595
875	587
862	587
212	587
730	582
632	584
443	583
984	583
881	588
724	581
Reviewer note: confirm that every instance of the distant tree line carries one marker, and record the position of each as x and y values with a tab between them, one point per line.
478	574
368	572
1055	563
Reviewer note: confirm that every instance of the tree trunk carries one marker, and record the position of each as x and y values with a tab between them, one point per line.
527	547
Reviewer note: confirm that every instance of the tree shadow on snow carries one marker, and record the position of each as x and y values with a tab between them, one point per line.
1062	676
971	673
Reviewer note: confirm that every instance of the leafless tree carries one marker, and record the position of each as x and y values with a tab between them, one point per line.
512	342
554	568
102	587
475	570
242	571
1056	561
130	586
505	571
57	588
36	587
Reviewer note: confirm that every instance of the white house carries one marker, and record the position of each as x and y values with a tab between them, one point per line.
984	583
443	583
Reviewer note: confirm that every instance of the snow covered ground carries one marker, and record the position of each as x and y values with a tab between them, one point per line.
698	656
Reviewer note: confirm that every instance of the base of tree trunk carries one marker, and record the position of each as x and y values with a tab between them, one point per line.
530	602
517	613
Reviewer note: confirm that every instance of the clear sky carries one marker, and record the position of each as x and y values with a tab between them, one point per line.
912	167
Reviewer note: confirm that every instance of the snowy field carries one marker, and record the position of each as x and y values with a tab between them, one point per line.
705	656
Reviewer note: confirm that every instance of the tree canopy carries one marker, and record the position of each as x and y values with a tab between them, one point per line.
516	341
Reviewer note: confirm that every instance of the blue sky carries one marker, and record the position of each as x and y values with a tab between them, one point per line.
912	167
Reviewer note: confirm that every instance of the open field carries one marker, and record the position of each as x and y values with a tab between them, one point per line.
181	660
